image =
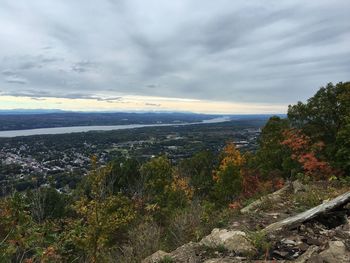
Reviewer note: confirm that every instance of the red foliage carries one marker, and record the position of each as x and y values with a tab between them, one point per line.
250	184
278	183
304	152
296	141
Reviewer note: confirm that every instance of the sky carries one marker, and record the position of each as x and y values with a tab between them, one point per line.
205	56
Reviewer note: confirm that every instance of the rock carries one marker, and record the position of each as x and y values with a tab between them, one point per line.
186	253
315	259
303	247
335	253
281	254
234	260
274	197
235	241
288	242
307	255
221	260
298	219
155	257
236	224
313	241
298	187
274	215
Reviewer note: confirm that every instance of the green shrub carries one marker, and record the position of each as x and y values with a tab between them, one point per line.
166	259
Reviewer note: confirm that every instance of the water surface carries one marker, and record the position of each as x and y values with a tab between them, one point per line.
74	129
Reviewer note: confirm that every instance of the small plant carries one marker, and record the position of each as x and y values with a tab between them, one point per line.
221	248
260	241
166	259
223	217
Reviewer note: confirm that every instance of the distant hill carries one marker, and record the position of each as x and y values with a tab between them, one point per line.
30	111
21	119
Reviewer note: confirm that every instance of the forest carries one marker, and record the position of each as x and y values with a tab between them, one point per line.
125	210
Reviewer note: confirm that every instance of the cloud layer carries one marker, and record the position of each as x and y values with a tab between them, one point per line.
255	51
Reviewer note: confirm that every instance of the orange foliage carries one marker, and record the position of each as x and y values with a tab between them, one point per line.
181	184
231	156
50	255
235	205
215	176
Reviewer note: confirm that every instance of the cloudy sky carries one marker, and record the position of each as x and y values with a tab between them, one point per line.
191	55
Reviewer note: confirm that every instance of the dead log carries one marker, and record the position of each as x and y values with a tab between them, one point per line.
294	221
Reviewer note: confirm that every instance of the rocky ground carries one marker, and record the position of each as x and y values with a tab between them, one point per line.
299	223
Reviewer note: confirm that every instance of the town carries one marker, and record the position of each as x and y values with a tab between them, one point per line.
62	160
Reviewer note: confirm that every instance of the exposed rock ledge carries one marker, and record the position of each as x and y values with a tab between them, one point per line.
303	238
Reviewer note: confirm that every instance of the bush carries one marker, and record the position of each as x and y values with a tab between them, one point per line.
185	226
228	185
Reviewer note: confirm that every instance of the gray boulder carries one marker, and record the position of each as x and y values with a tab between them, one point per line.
186	253
336	252
156	257
235	241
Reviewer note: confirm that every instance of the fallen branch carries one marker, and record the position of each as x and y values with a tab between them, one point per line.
298	219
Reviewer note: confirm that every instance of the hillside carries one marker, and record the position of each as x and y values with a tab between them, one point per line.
223	204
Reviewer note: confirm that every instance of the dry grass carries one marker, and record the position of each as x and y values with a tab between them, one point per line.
144	240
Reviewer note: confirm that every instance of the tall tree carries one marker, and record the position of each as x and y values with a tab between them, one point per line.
343	147
323	115
199	169
271	156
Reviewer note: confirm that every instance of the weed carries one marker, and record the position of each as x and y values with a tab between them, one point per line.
260	241
166	259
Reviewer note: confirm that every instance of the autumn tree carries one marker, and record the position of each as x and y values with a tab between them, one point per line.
165	188
228	178
307	154
102	216
323	115
157	175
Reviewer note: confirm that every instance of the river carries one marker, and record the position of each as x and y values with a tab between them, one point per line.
74	129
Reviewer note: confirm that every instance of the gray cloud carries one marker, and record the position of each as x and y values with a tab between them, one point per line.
16	80
237	51
8	72
11	76
35	94
83	66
